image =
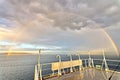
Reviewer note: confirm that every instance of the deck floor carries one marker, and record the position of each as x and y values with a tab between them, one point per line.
88	74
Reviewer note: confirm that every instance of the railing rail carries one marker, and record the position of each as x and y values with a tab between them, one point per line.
48	72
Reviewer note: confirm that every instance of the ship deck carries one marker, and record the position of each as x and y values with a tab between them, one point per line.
88	74
82	69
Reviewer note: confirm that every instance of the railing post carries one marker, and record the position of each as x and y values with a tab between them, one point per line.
104	61
59	69
106	65
85	63
41	72
89	60
71	70
93	63
80	66
36	75
39	66
63	71
53	73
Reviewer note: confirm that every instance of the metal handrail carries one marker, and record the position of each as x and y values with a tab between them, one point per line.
51	73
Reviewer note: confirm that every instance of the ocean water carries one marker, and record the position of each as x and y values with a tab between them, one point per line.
21	67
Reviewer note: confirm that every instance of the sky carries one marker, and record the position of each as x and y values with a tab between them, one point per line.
59	24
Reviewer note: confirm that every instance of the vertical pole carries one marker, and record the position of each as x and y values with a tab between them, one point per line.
53	73
89	60
104	62
71	70
59	70
85	64
39	66
80	66
93	63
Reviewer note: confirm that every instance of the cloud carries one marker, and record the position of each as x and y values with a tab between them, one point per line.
112	10
73	10
56	22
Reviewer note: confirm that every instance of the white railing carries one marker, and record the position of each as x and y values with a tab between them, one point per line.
48	72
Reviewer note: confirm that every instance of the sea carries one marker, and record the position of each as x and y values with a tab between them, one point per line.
21	67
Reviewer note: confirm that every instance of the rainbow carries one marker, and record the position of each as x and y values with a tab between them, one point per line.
103	30
111	41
